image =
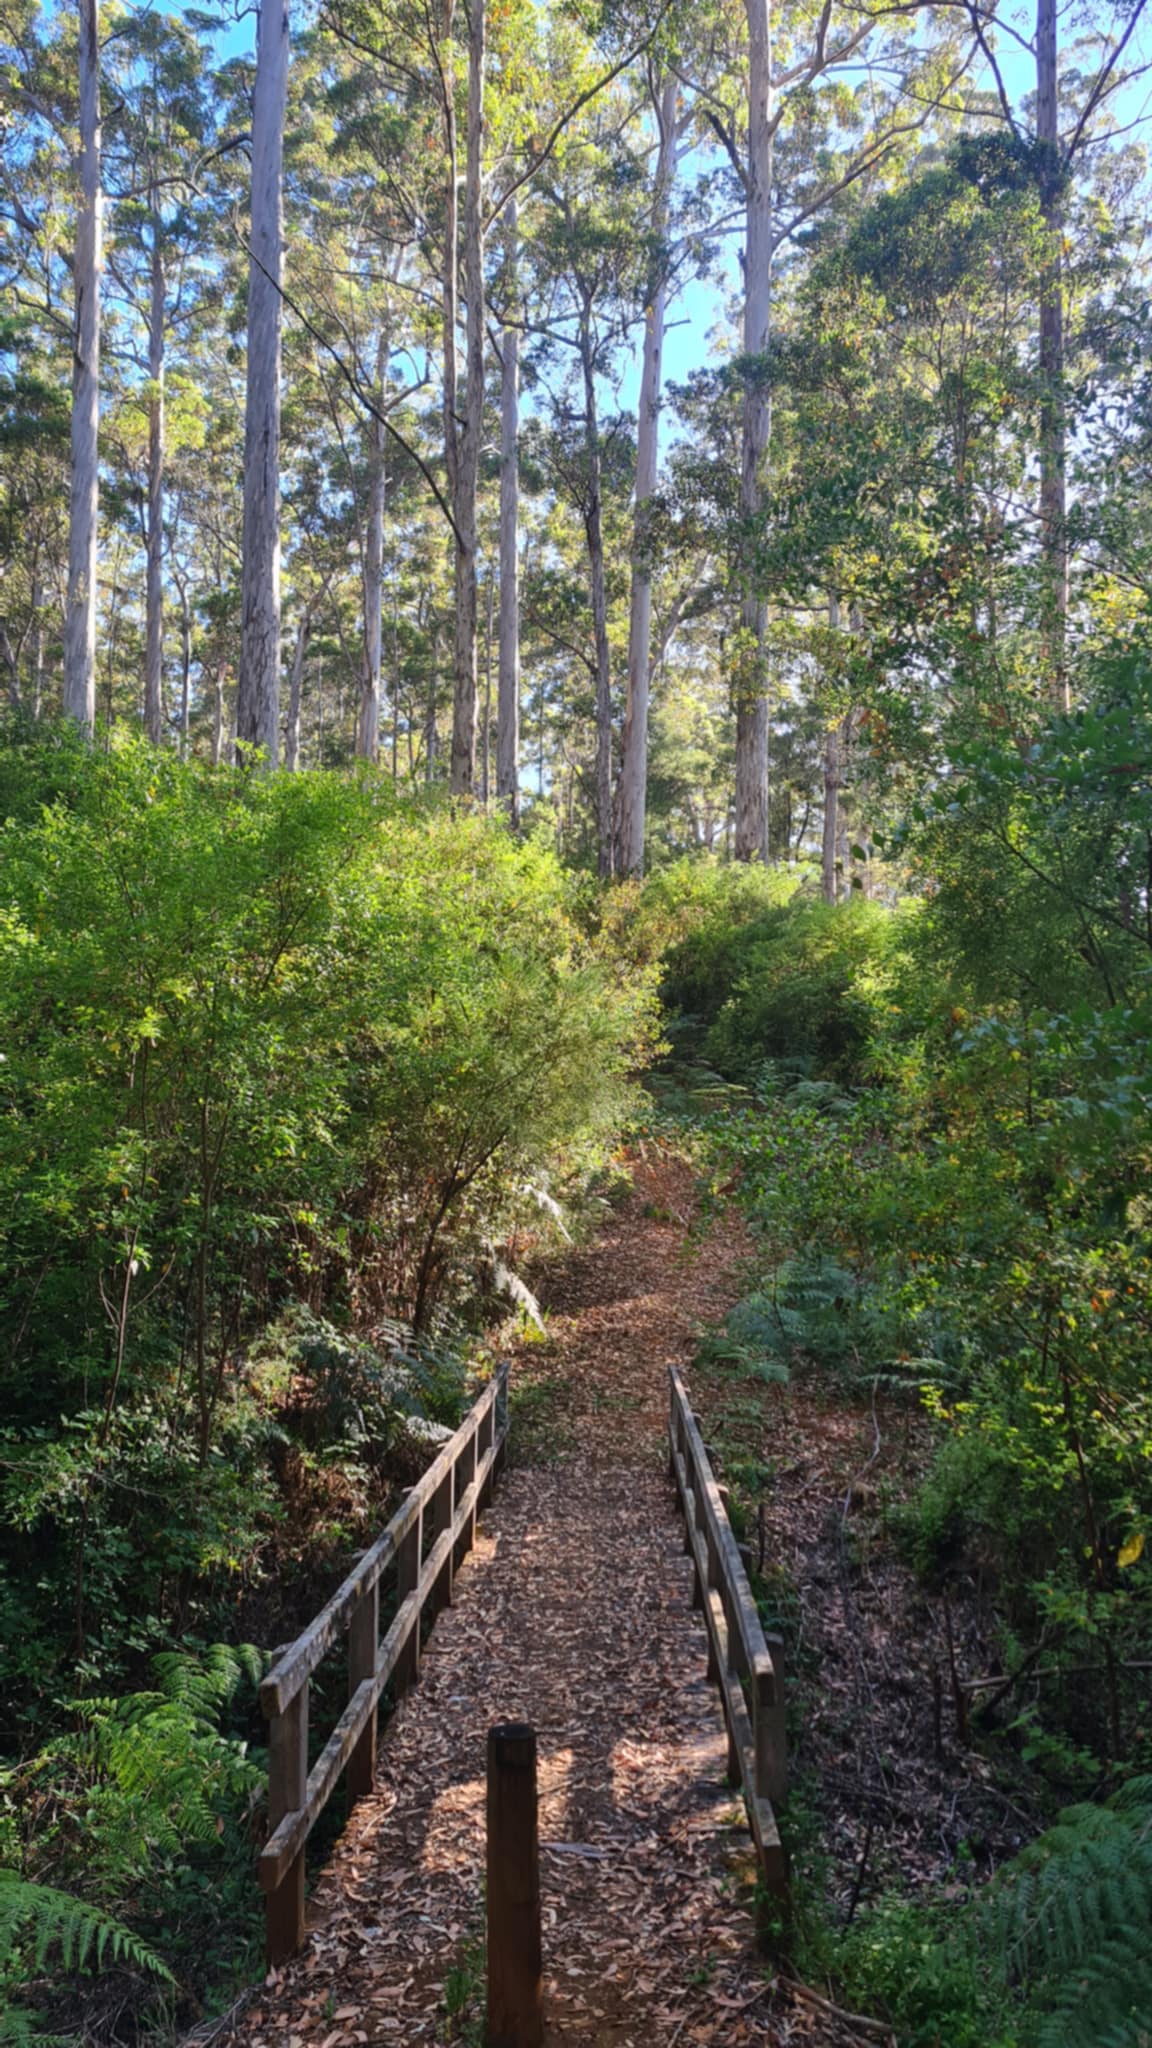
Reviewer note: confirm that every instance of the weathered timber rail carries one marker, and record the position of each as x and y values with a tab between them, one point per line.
426	1540
747	1665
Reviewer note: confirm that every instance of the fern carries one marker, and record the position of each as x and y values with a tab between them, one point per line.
1071	1918
159	1771
37	1922
39	1925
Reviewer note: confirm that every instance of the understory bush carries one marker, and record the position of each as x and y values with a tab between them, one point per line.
288	1068
1054	1952
264	1039
142	1810
943	1154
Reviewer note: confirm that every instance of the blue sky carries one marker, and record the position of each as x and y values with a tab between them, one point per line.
697	320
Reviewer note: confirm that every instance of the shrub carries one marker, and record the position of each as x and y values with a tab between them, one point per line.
264	1038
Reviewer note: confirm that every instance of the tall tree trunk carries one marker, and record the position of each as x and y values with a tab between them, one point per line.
185	667
831	813
593	527
295	688
1053	419
258	695
831	786
463	765
508	679
430	716
154	585
750	678
486	739
368	726
634	763
37	653
80	618
218	712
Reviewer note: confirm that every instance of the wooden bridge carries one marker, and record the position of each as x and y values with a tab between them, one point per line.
410	1571
416	1558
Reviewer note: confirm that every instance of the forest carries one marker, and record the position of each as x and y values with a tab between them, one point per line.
576	588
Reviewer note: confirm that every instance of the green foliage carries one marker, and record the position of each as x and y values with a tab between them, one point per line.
1071	1919
41	1922
757	975
1053	1953
265	1038
144	1810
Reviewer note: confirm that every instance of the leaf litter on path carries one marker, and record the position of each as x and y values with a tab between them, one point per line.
573	1613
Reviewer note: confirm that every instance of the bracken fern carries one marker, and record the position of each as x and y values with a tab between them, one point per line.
1071	1920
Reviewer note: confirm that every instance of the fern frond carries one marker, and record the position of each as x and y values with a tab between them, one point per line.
57	1923
508	1283
1071	1918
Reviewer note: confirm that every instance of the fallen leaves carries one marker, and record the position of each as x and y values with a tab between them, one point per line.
574	1613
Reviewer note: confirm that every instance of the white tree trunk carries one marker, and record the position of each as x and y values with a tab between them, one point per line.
295	687
154	590
1053	422
368	726
593	527
634	762
80	617
218	713
463	764
831	813
508	679
185	667
831	786
258	696
750	680
37	653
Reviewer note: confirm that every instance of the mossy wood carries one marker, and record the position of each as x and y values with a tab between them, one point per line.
455	1487
746	1666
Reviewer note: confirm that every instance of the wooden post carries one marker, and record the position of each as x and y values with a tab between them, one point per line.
515	1971
713	1580
287	1792
484	1440
700	1518
770	1722
363	1642
407	1579
501	1406
735	1659
465	1474
442	1519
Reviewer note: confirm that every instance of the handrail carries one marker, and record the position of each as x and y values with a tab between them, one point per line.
747	1665
443	1506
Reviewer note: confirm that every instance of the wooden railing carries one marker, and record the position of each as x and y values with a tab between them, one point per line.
746	1664
426	1540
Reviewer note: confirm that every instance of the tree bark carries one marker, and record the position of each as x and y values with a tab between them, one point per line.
368	727
634	763
594	531
750	679
154	579
430	717
218	713
295	686
185	666
831	787
486	740
828	848
80	619
1053	420
463	764
258	696
508	674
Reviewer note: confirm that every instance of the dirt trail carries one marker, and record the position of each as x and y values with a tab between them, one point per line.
572	1612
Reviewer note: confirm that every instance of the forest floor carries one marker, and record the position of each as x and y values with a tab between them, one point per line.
574	1613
